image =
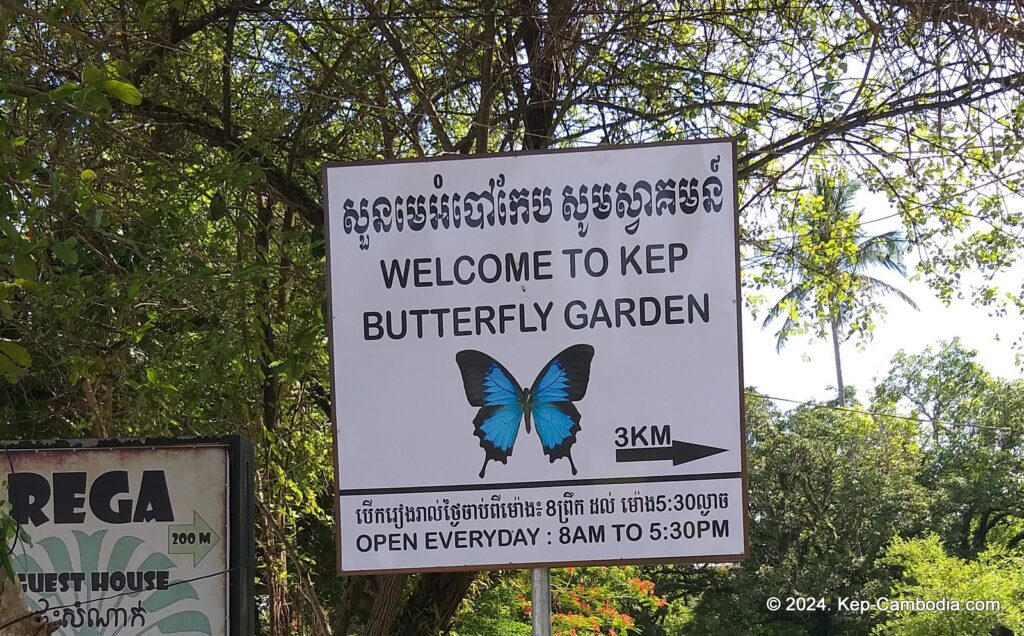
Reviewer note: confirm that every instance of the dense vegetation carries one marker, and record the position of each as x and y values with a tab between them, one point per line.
857	503
161	262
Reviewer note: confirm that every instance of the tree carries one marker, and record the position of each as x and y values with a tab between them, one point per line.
870	505
162	234
929	574
973	434
827	267
829	489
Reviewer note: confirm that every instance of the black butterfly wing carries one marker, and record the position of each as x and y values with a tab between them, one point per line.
490	386
561	382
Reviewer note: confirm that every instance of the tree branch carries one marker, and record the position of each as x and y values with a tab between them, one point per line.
436	124
287	189
966	14
910	104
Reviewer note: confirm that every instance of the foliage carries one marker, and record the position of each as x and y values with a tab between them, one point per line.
931	574
828	490
826	269
498	604
865	506
974	437
161	245
585	601
600	600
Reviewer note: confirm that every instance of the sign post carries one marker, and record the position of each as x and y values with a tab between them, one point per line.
540	601
536	359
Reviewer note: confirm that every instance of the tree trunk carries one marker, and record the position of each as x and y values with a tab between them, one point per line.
840	387
433	603
981	529
385	604
277	555
542	39
271	386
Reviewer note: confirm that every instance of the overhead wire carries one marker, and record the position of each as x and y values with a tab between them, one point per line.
817	405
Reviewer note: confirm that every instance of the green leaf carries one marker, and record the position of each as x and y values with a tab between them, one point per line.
66	251
17	353
9	229
9	371
117	68
24	266
123	91
6	201
8	568
65	90
147	13
218	207
93	98
92	74
88	175
317	244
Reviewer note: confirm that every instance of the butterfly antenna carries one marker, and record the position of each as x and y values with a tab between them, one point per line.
571	464
482	470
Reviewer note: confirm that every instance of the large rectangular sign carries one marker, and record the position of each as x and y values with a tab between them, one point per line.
536	359
133	539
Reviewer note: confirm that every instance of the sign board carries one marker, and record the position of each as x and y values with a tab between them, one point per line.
127	538
536	359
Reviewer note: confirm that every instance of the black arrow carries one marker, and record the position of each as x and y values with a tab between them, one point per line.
678	452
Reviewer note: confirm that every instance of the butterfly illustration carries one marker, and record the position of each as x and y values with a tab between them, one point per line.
548	402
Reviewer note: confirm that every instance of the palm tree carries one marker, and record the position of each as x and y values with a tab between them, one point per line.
828	265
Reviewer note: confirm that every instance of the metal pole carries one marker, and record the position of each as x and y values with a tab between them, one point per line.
540	595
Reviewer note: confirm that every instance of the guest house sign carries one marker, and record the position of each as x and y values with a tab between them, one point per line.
124	539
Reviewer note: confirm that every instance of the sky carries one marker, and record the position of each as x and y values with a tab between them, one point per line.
805	370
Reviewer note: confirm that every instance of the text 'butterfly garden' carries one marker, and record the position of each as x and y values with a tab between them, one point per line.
548	402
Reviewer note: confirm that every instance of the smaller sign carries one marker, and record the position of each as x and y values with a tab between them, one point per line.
133	537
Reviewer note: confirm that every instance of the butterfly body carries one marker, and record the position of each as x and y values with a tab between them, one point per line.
547	403
527	405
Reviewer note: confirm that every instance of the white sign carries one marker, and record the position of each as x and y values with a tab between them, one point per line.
123	540
536	359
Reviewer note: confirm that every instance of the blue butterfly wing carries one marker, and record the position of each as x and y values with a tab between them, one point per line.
490	386
561	382
557	425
